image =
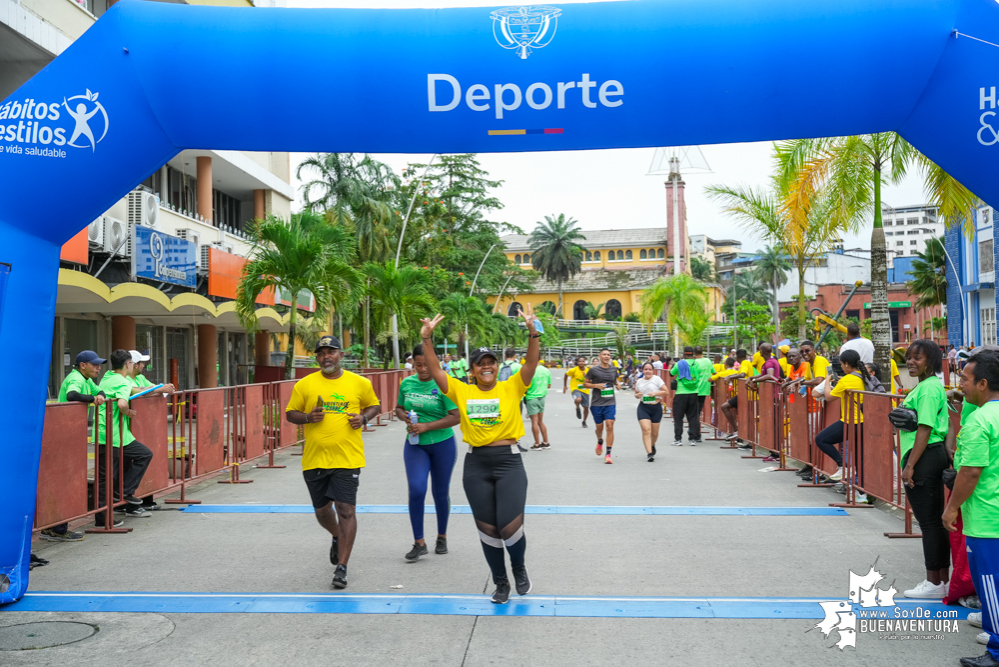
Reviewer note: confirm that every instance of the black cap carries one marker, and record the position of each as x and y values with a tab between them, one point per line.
89	357
480	352
328	341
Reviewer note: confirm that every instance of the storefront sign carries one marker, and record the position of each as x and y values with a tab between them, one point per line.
224	273
159	256
893	304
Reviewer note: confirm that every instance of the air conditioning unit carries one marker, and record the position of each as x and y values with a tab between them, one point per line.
204	253
143	208
95	233
117	237
195	238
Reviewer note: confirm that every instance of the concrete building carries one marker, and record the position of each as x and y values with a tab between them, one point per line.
702	245
118	287
908	228
971	293
618	264
833	268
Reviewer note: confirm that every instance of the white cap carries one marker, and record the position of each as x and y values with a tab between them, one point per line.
138	356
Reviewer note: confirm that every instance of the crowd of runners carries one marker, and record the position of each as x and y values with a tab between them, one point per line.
489	398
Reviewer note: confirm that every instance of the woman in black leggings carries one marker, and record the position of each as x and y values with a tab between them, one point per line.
494	477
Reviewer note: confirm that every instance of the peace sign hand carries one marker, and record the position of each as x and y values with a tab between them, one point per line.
429	325
528	318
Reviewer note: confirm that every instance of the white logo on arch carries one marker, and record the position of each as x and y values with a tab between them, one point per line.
525	28
83	113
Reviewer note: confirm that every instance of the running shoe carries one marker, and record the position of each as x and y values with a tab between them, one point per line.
522	580
132	500
984	660
69	536
537	446
837	476
927	590
678	443
805	472
335	553
653	450
971	602
861	499
745	446
340	577
607	459
600	447
502	593
417	551
975	619
771	458
650	457
135	510
584	424
982	638
546	445
693	443
152	506
579	413
441	547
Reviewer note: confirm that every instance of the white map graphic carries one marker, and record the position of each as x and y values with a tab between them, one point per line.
839	614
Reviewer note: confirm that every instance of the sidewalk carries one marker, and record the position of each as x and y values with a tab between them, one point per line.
568	555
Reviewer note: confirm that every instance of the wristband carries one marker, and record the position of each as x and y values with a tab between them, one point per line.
365	419
535	336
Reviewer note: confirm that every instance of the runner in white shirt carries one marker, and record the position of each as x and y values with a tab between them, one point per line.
861	346
650	391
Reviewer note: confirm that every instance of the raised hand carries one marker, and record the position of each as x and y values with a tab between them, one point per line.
528	318
427	330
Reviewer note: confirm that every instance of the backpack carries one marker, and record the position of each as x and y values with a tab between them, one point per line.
506	371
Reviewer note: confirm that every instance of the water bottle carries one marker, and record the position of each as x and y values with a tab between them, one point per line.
538	326
414	438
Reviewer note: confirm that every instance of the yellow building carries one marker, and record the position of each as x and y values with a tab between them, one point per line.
618	265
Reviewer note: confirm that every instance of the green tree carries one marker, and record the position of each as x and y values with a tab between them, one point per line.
465	312
703	270
594	312
772	266
620	338
303	254
692	329
556	253
851	170
402	291
676	299
754	321
929	275
748	286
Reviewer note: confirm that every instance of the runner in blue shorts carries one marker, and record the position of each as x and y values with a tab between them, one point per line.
603	379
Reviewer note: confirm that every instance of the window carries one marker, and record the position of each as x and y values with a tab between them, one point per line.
661	254
887	223
912	232
986	260
853	313
913	242
579	310
988	326
627	254
898	243
912	221
516	259
596	256
888	233
643	255
589	256
514	309
613	309
527	258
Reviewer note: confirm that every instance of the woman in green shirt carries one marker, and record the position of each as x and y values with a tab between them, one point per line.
435	455
924	458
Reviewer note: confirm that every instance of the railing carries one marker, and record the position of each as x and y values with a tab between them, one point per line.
194	435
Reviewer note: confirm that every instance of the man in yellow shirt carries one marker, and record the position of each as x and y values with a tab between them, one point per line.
782	359
334	405
718	365
573	381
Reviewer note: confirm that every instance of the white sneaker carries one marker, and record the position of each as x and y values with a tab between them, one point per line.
678	443
836	476
982	638
927	590
861	498
975	619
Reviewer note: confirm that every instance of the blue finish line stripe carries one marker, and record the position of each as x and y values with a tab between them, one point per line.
442	605
537	509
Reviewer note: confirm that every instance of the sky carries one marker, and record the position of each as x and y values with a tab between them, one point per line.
609	189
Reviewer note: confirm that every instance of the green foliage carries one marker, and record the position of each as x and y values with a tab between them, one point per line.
556	253
929	282
631	317
703	270
755	321
594	312
551	337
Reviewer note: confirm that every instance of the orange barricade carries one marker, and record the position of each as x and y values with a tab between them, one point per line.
62	469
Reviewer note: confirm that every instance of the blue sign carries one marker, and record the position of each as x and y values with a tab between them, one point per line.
159	256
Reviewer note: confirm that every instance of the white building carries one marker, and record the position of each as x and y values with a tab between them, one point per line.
834	268
908	228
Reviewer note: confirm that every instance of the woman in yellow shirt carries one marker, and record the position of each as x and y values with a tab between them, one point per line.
855	377
494	477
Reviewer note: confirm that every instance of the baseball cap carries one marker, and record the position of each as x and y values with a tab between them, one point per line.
328	341
480	352
89	357
784	348
138	356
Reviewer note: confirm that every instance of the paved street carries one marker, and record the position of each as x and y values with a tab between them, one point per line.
571	555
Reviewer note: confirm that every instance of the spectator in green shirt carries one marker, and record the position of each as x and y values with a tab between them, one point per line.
460	368
685	400
139	380
703	370
976	489
535	400
77	387
136	455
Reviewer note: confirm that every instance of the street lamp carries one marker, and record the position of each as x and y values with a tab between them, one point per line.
398	251
474	280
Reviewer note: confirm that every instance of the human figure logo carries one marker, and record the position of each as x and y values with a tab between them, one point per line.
525	28
871	609
82	112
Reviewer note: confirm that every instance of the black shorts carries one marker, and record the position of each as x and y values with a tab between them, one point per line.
337	484
733	402
651	411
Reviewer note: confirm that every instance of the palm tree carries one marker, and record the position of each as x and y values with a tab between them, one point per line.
929	275
463	311
403	291
556	253
502	330
593	312
620	332
852	170
702	270
803	232
692	329
295	256
772	266
676	298
750	287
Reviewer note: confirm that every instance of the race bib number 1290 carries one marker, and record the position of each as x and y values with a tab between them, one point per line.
483	408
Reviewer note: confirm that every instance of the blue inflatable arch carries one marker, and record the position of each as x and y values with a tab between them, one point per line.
102	117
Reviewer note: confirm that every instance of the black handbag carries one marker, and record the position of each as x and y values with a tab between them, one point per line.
949	475
904	419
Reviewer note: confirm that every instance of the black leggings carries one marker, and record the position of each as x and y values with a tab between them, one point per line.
927	501
495	484
828	438
686	405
